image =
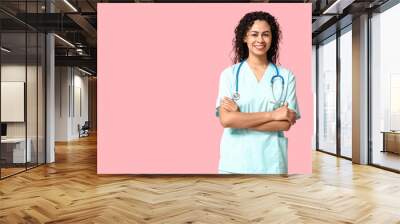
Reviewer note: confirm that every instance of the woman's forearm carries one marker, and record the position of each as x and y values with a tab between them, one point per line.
272	126
244	120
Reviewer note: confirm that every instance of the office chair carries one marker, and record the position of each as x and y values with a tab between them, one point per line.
84	130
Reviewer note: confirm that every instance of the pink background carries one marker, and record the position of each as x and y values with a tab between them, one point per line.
158	73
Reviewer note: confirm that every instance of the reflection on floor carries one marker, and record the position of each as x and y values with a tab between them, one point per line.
10	169
71	191
386	159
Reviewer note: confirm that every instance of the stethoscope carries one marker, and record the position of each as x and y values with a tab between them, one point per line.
275	79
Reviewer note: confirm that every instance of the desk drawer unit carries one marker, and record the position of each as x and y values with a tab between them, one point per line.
391	142
13	151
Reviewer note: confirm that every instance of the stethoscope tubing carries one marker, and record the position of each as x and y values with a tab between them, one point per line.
277	76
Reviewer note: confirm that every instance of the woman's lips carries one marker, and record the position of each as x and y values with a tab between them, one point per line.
259	46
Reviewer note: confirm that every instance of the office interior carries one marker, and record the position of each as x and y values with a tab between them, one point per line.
48	81
356	84
48	76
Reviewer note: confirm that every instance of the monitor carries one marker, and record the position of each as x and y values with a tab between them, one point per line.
3	129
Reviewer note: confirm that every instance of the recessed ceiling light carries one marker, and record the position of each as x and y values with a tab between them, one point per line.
70	5
86	72
337	7
5	49
64	40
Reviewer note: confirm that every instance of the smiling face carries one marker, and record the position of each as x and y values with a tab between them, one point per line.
259	38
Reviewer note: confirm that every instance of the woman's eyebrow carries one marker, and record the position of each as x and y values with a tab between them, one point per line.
253	31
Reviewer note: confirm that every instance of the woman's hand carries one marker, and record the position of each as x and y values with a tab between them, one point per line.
284	114
229	105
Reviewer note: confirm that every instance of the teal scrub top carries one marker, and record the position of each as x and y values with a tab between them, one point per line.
250	151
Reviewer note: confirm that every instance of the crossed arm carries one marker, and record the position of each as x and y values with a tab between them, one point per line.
280	119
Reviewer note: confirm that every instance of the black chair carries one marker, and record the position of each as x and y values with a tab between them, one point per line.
84	130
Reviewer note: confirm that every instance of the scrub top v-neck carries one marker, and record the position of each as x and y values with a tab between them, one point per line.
246	150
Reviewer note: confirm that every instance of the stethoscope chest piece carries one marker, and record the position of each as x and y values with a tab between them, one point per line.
236	96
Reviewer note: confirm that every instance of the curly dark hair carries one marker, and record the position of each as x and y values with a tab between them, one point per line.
240	47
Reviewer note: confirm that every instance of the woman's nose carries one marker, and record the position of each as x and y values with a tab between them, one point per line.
260	38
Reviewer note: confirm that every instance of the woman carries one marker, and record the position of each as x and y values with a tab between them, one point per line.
252	110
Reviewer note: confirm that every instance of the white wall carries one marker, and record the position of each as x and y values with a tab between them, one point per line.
79	117
71	93
62	81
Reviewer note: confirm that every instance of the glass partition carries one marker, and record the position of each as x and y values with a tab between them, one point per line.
346	93
327	95
32	95
385	88
13	108
22	88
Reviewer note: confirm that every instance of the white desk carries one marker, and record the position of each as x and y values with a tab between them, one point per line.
18	150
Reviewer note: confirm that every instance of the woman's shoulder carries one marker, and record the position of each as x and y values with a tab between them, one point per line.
228	71
232	68
284	71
